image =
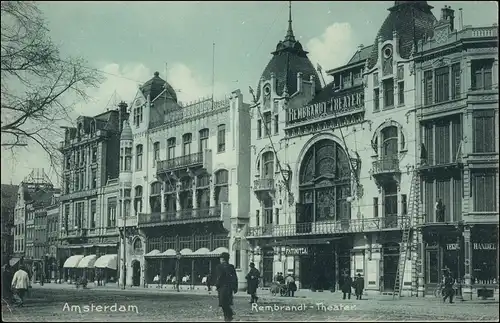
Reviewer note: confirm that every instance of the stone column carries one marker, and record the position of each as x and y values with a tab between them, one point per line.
467	286
379	146
178	199
162	192
468	76
195	192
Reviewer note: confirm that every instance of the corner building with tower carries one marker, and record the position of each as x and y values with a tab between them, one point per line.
184	185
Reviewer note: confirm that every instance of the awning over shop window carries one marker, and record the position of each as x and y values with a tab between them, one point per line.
186	252
202	252
218	251
154	252
87	262
106	261
169	253
72	262
292	242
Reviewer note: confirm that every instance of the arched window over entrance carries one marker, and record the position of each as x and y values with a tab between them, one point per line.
324	183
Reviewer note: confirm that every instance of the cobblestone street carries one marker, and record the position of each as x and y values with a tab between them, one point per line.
55	304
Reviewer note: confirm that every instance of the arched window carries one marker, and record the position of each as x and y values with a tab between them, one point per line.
138	199
390	142
268	164
155	197
324	179
138	157
221	186
137	245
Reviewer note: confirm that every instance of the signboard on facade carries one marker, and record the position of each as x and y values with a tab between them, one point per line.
475	246
296	251
341	104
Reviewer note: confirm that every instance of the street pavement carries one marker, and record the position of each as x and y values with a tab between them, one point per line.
57	303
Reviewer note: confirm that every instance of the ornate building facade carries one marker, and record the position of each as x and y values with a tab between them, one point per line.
89	200
184	184
457	102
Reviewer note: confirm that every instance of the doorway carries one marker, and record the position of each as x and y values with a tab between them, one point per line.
317	271
136	273
391	258
267	267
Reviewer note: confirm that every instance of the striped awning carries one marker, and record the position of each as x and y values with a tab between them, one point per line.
87	261
186	252
218	251
154	252
72	262
107	261
202	252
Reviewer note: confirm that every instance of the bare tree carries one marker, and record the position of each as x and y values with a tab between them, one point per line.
38	88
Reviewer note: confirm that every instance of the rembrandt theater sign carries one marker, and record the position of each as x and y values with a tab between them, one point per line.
341	104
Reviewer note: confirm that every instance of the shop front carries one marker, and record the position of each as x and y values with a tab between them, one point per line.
484	263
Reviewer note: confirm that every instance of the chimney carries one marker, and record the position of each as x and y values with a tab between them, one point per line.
448	14
122	113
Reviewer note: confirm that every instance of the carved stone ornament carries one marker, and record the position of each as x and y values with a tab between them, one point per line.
412	68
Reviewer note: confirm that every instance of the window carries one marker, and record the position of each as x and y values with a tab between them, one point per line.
137	116
126	202
388	93
390	143
138	157
277	213
442	84
481	74
268	165
401	73
221	138
128	159
204	139
375	79
77	182
221	186
455	81
259	128
94	178
79	215
155	197
121	160
276	124
171	148
82	180
93	207
94	154
484	191
138	199
376	100
375	207
484	131
67	184
68	162
267	123
257	218
428	99
268	211
404	205
390	200
156	152
186	144
111	212
401	93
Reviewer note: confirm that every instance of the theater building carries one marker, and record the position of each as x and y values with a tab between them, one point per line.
184	183
332	166
457	101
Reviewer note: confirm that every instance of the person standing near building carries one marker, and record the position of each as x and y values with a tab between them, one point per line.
252	278
448	291
226	284
291	286
346	286
359	285
20	285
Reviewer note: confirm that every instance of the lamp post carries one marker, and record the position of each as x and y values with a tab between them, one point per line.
177	269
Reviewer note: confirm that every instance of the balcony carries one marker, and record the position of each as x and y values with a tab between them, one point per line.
263	187
178	217
201	159
385	170
331	227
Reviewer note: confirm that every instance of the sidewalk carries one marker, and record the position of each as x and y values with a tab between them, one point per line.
305	295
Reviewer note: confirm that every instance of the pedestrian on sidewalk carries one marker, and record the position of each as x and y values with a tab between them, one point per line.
20	285
448	291
291	286
226	284
252	278
346	286
359	285
7	283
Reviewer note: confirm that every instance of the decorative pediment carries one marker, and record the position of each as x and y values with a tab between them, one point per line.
440	62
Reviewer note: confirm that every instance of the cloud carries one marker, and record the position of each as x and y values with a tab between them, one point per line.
334	47
121	83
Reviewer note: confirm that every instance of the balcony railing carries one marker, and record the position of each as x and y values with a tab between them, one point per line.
263	184
386	165
189	215
180	162
331	227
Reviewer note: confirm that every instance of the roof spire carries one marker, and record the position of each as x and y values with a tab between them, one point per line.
289	33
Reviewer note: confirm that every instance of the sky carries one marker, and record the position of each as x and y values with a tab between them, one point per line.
129	41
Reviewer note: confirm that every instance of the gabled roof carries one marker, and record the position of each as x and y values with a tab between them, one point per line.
361	55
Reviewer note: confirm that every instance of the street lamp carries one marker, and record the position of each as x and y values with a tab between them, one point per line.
177	269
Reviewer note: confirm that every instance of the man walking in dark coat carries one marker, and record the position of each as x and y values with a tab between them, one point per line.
227	284
359	285
252	278
347	286
448	291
